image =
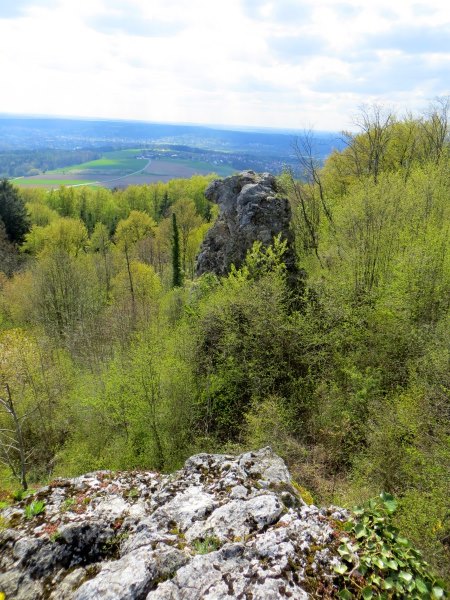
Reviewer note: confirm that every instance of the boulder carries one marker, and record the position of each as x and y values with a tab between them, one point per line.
222	527
251	208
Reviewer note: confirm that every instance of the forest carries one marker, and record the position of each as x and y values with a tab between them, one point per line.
16	163
113	355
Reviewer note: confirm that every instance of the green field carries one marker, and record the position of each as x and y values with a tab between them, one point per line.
41	181
107	163
120	167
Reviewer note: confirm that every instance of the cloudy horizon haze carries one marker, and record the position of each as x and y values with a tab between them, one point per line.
286	64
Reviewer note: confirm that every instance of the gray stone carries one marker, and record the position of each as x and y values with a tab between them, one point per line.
219	528
130	577
251	208
238	518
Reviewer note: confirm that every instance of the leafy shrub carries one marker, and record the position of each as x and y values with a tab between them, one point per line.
377	562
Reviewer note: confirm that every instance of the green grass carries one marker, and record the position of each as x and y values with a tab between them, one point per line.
119	160
38	181
106	164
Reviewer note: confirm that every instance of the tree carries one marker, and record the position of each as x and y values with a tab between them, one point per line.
369	147
177	278
62	235
101	244
12	440
9	256
66	297
129	231
436	128
13	212
34	383
187	221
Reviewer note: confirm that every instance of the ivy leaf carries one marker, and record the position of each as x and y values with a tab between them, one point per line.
367	593
388	583
392	564
420	585
379	563
389	502
360	530
402	541
344	551
345	594
376	580
437	592
340	568
405	576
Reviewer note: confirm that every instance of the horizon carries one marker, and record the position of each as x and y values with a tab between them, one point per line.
241	128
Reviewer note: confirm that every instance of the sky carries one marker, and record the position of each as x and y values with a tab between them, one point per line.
290	64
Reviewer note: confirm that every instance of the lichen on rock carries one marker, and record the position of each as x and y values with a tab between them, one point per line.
221	527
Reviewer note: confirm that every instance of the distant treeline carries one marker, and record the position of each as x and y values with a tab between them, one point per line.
16	163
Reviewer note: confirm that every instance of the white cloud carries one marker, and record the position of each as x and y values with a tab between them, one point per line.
281	63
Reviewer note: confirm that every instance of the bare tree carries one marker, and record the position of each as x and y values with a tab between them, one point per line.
368	147
436	128
308	193
310	168
12	445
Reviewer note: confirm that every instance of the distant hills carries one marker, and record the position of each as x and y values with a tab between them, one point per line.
261	150
33	132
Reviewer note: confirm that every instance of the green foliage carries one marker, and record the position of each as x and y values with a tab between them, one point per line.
61	235
377	562
13	213
19	495
68	504
209	544
261	261
177	278
34	509
243	348
54	537
304	494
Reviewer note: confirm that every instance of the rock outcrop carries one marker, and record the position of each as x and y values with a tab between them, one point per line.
250	209
222	527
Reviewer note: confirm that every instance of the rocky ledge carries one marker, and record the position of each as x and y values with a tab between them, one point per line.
222	527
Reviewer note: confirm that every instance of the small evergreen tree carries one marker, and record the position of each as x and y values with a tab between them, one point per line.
177	278
13	212
164	206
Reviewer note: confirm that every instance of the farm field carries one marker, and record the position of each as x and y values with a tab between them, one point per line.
40	181
122	168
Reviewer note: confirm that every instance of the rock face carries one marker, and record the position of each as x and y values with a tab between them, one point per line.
222	527
251	209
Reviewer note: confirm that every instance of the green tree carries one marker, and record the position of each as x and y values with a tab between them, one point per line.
177	278
64	234
13	212
187	222
129	231
100	243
